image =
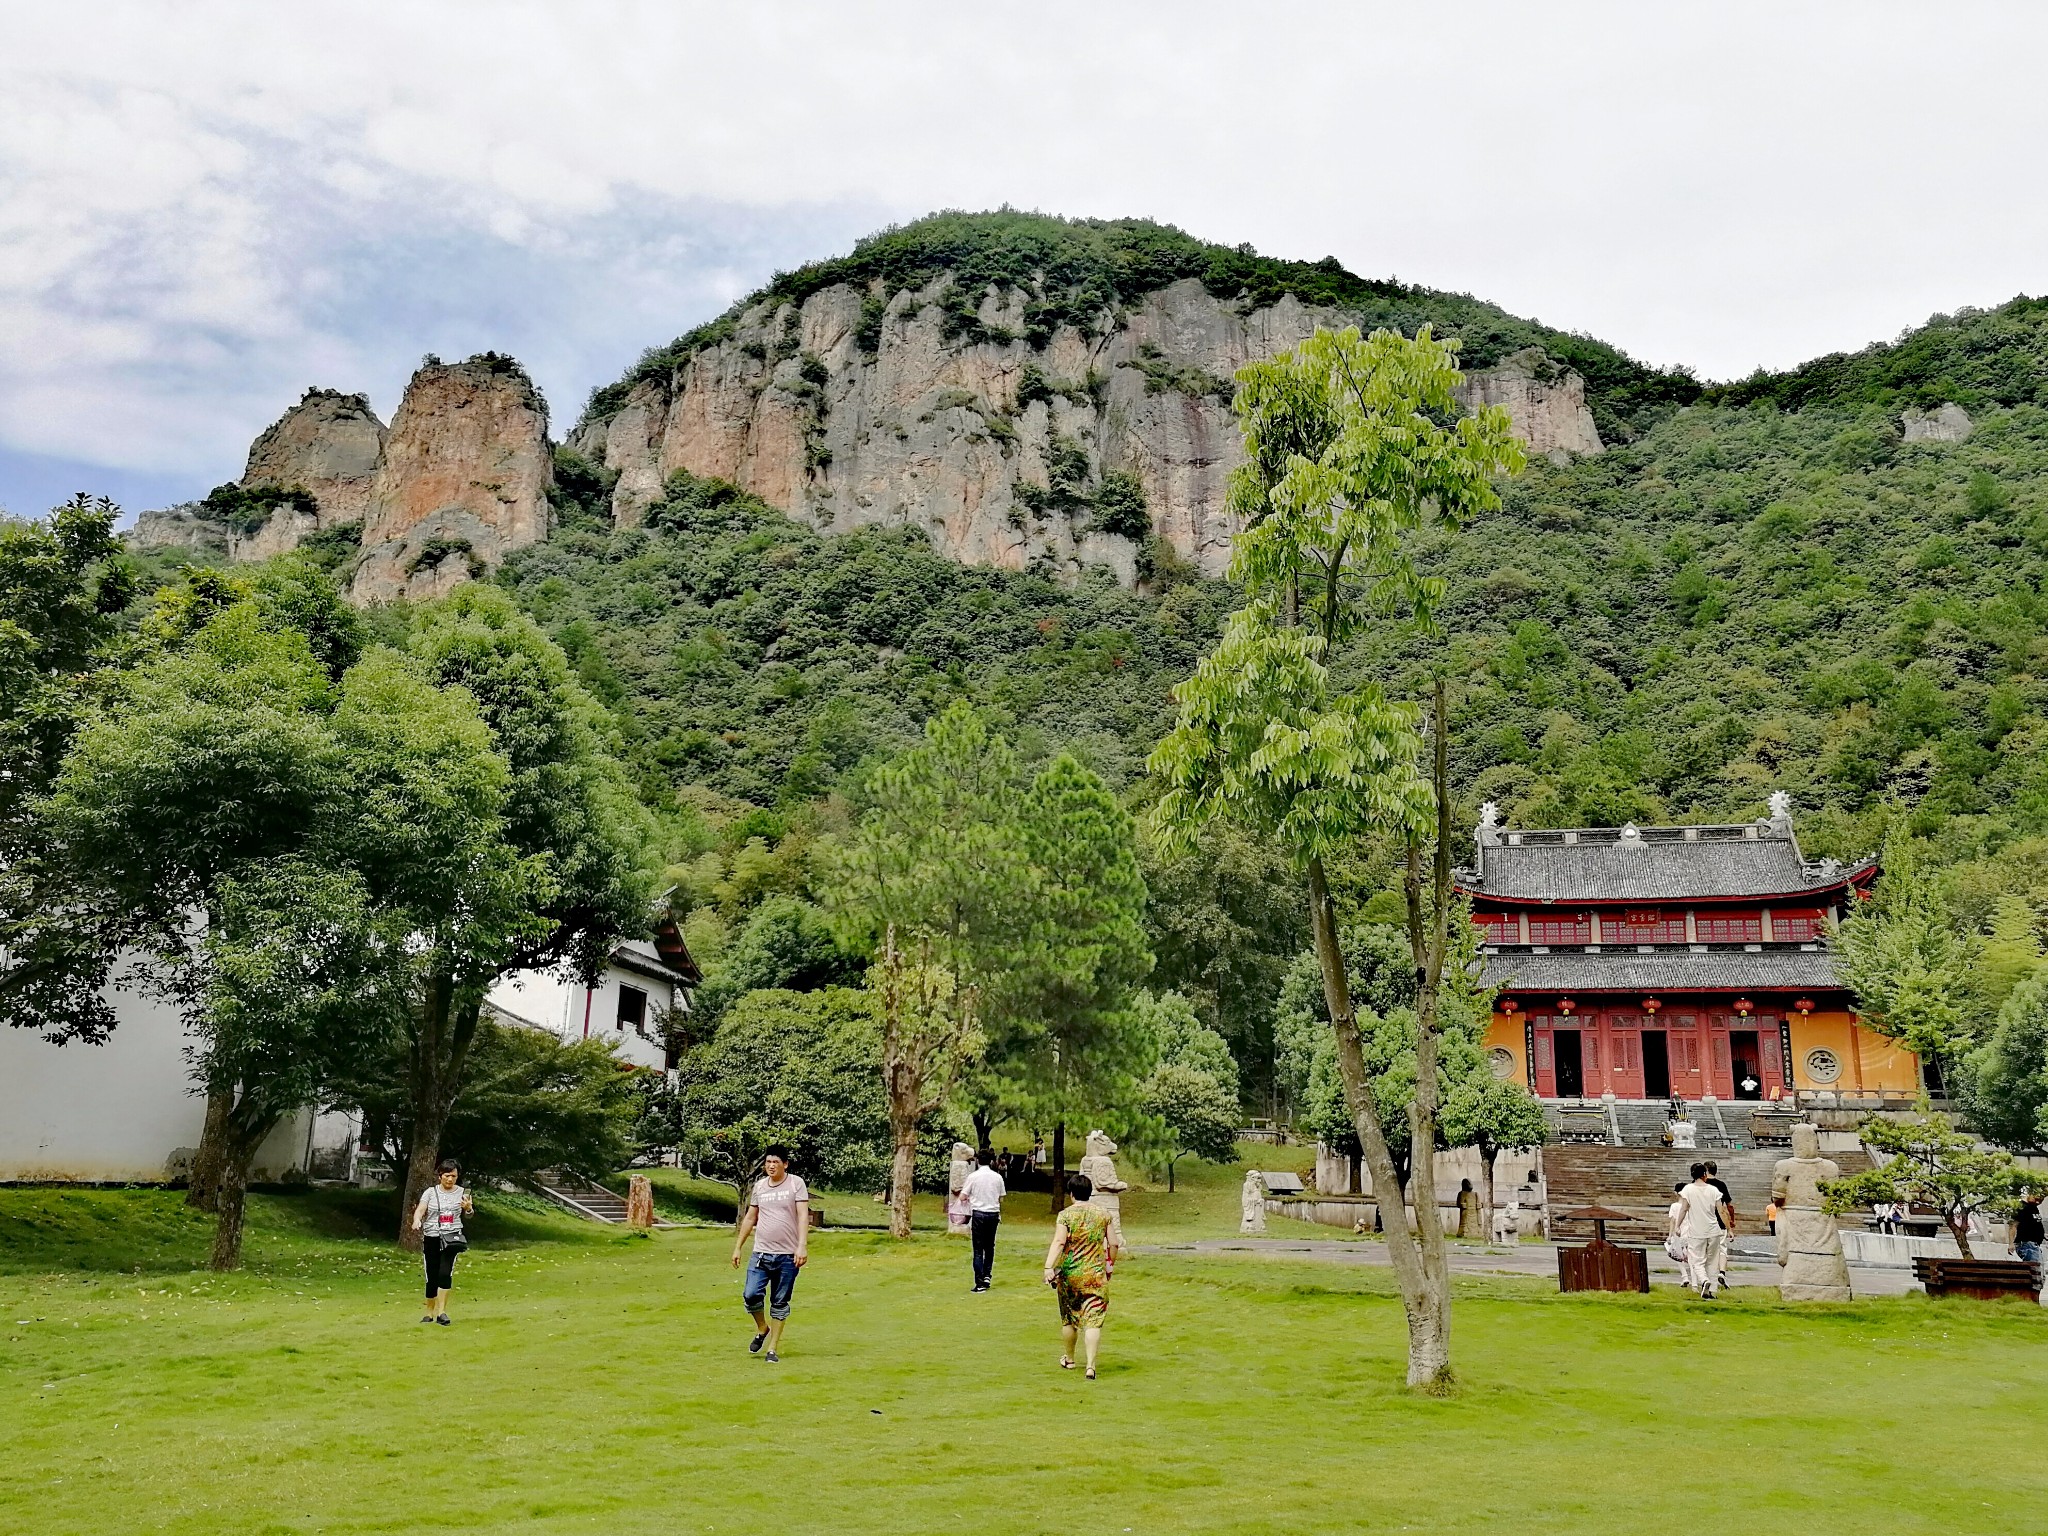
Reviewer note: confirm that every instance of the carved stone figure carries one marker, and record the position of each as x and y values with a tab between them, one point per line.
956	1176
1809	1242
1468	1211
1252	1205
1684	1135
640	1203
1099	1167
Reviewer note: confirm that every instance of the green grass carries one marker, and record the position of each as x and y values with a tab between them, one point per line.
599	1382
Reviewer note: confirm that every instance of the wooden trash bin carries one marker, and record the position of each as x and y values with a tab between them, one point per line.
1601	1265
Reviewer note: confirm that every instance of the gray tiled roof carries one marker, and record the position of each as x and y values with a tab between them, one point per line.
1662	970
1649	869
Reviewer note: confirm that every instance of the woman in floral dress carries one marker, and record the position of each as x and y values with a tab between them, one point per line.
1085	1243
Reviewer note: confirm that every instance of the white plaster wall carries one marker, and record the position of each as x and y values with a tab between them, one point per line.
118	1112
546	1000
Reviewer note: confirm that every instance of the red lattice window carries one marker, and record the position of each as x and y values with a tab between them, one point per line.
1734	928
1561	930
1643	927
1798	927
1498	927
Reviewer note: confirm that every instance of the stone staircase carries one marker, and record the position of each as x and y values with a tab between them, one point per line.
1633	1123
593	1202
1639	1179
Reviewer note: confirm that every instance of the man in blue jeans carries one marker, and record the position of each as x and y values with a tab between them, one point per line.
2026	1228
779	1217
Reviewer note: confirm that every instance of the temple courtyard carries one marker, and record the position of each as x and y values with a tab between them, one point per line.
595	1381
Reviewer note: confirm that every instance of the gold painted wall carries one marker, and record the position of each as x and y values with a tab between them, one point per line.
1870	1063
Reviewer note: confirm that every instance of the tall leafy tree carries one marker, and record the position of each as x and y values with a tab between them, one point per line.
1075	968
937	871
572	825
2008	1077
1192	1094
1912	972
1353	449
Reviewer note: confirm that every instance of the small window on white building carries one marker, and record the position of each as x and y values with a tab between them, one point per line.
632	1009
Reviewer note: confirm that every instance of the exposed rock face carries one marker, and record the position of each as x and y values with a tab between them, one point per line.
1946	423
462	481
1546	403
329	445
189	525
1002	452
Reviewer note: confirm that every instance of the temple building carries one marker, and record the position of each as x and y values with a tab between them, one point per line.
1653	963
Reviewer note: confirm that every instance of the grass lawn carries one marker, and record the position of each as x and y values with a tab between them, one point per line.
598	1382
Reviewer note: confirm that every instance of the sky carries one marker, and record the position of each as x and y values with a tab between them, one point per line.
206	208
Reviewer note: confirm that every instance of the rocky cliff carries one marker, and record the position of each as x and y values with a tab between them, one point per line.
328	445
1071	448
463	479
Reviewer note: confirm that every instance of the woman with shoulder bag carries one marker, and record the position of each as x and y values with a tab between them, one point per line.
438	1220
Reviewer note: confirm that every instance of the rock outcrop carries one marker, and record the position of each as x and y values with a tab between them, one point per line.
1062	455
463	479
189	525
328	445
1546	403
1946	423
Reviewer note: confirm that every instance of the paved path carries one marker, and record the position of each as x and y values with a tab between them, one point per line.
1752	1265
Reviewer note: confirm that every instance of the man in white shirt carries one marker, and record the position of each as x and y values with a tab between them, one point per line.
984	1190
1704	1231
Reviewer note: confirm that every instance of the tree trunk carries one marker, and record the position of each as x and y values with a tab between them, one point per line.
1169	1173
1059	1166
203	1194
1423	1302
1959	1228
439	1053
985	1123
902	1164
233	1191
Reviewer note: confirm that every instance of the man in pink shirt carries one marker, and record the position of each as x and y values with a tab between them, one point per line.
779	1218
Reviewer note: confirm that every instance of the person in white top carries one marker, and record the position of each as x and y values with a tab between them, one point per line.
438	1220
778	1218
984	1191
1674	1237
1704	1229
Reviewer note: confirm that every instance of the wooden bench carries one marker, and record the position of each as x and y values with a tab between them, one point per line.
1985	1279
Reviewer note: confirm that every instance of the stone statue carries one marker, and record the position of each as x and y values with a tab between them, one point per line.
1468	1211
640	1203
956	1176
1809	1242
1684	1135
1252	1205
1099	1168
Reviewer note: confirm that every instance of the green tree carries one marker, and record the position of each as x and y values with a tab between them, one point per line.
1927	1161
1192	1094
62	592
2008	1077
937	866
1348	462
1074	971
1910	970
579	845
1482	1111
530	1102
302	980
796	1068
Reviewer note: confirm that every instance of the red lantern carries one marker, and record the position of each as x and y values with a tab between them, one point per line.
1509	1005
1744	1006
1804	1005
1651	1005
1564	1006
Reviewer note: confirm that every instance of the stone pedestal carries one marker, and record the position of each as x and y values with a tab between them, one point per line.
640	1203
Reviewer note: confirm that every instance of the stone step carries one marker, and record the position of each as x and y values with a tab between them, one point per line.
1639	1179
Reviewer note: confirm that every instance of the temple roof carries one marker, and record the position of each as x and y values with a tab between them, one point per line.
1662	970
1747	859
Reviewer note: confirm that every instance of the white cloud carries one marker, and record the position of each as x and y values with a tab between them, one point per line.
205	207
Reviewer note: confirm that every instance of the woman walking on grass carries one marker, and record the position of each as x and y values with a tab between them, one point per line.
438	1218
1077	1266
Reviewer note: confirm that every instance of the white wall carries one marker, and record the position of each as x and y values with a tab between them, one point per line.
118	1112
546	1000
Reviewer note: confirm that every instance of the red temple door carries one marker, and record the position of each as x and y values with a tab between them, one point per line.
1688	1056
1770	1049
1720	1063
1545	1059
1625	1054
